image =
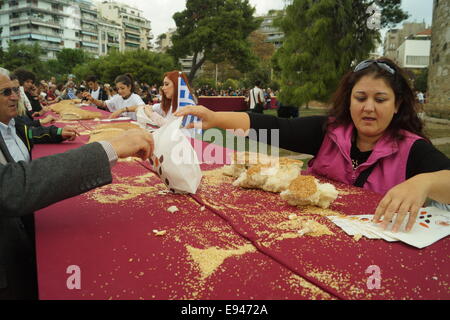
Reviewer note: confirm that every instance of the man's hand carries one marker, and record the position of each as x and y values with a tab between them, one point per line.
47	119
69	133
87	96
133	143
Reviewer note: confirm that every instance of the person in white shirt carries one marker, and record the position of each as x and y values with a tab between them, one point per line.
122	104
256	96
160	113
96	91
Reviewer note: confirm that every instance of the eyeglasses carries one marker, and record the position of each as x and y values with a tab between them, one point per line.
366	63
8	91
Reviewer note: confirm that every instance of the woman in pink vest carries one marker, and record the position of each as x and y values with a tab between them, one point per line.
372	138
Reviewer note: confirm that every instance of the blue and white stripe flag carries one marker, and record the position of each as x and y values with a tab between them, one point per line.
71	94
185	98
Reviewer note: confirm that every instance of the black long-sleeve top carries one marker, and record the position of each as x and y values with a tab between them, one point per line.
305	135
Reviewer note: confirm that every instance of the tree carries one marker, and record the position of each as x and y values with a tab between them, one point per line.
421	82
217	31
261	48
263	52
66	60
145	66
322	40
24	56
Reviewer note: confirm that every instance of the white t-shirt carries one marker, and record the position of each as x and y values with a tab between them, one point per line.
117	103
157	108
253	94
96	94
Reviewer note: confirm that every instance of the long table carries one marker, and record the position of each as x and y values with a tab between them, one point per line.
223	243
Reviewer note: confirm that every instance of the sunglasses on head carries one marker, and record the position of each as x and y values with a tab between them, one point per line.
8	91
367	63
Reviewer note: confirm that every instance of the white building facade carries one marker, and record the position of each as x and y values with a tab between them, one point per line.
59	24
136	29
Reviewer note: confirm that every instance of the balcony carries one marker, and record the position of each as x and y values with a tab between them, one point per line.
37	32
132	45
50	46
89	44
89	20
35	36
35	20
133	40
34	8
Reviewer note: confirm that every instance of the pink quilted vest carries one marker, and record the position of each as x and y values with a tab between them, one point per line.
333	160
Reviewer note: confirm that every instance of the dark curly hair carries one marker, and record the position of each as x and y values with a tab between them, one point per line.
406	118
24	75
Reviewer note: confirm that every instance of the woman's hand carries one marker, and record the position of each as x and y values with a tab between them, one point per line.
207	117
148	110
405	199
116	114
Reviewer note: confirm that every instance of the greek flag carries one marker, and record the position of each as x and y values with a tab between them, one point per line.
185	98
71	94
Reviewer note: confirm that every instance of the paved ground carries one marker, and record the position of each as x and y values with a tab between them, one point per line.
439	141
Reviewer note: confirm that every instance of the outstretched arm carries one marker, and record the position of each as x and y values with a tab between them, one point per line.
211	119
27	187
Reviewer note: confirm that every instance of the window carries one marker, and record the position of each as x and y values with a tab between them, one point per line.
417	60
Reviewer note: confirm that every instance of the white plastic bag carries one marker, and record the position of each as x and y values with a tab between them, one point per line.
174	159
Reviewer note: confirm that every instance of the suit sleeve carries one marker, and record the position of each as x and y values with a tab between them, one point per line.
27	187
46	134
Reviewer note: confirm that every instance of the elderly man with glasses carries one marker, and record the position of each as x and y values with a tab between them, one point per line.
26	186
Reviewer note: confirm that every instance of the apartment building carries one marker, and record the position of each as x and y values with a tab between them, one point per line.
31	21
136	29
274	35
58	24
414	52
395	37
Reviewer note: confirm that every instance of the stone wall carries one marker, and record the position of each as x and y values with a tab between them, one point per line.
439	70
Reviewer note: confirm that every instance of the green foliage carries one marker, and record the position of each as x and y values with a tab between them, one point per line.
262	74
231	83
322	40
204	81
145	66
66	60
216	29
421	82
274	85
24	56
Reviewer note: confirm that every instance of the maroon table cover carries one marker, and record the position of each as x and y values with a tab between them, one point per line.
223	243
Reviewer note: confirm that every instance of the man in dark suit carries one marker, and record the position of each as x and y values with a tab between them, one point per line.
26	186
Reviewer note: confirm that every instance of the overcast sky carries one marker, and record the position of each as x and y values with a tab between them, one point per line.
160	12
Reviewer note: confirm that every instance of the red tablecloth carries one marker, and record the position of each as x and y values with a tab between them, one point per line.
241	245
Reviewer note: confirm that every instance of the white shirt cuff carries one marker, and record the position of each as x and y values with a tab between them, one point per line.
110	152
